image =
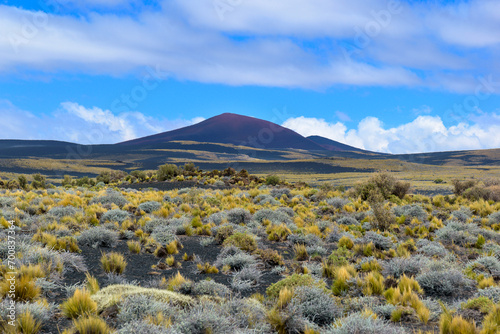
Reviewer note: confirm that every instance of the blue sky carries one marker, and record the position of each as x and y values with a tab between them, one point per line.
390	76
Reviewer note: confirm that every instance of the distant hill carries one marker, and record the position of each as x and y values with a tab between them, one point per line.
332	145
234	129
226	140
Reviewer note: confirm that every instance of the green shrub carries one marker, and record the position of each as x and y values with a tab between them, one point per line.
243	241
383	184
482	304
270	257
224	232
166	172
272	180
340	256
293	281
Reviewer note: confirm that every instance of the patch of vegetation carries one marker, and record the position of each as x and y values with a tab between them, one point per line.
329	260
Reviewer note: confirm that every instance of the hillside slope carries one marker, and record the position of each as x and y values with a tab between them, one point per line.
234	129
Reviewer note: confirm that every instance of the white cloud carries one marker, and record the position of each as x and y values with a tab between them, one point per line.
417	46
424	134
313	126
75	123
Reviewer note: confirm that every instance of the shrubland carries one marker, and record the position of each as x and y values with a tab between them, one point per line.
256	255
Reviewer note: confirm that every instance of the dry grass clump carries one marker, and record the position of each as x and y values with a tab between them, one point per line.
89	325
134	246
449	324
91	283
20	287
300	252
113	263
176	281
80	304
27	324
206	268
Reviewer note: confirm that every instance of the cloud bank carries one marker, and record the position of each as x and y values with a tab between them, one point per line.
423	134
75	123
280	43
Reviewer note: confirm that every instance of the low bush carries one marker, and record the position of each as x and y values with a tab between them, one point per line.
383	184
98	237
494	218
247	278
224	232
462	215
274	216
235	258
263	199
450	283
315	305
486	265
116	215
411	211
293	281
270	257
337	202
398	266
210	288
378	240
110	198
433	249
137	307
304	239
163	234
492	293
149	207
62	211
272	180
347	220
346	242
278	232
340	256
458	233
278	192
363	323
243	241
238	216
143	327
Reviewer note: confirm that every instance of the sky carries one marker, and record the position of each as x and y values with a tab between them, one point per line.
383	75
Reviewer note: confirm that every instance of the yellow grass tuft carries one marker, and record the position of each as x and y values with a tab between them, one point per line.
113	263
78	305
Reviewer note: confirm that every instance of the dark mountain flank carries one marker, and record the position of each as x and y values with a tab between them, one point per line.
234	129
332	145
